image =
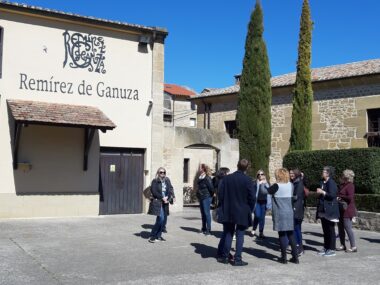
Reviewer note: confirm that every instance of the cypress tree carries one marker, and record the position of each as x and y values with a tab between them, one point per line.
255	98
301	134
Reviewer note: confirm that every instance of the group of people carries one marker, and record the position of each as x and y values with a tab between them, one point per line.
237	196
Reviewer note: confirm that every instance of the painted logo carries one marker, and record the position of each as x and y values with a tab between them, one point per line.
84	51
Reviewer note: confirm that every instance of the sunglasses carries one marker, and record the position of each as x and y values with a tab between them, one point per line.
260	174
162	172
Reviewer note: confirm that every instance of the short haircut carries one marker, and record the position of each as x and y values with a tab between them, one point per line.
348	175
297	172
282	175
243	164
330	170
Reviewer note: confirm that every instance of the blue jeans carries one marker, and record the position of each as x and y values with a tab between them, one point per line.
158	226
259	218
228	232
298	231
205	213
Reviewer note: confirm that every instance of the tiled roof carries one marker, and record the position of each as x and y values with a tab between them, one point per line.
177	90
22	6
318	74
59	114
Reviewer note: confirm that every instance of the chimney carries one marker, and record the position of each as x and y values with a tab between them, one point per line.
237	79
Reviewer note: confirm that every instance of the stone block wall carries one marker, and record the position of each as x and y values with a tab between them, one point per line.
364	221
339	116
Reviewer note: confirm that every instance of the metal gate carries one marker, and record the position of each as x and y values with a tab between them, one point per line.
121	181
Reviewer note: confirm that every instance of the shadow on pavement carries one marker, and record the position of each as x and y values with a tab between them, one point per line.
313	234
268	242
374	240
191	218
313	242
260	253
147	226
194	230
143	234
204	250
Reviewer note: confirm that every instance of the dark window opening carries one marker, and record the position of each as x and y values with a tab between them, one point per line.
193	106
186	164
373	135
167	118
231	128
1	51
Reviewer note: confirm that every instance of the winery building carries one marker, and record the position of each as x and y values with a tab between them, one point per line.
81	109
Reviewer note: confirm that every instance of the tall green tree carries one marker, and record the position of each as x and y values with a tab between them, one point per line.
301	134
255	98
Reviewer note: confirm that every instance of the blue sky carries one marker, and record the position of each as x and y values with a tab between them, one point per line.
205	46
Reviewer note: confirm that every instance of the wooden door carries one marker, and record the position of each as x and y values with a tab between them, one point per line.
121	181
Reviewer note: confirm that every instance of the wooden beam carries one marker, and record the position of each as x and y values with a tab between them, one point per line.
16	141
88	138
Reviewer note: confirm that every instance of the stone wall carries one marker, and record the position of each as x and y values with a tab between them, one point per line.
339	115
364	221
198	145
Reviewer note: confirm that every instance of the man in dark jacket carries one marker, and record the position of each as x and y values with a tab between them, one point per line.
236	197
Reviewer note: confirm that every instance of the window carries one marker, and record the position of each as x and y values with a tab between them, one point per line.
186	164
193	122
1	51
231	128
193	106
373	135
167	101
167	118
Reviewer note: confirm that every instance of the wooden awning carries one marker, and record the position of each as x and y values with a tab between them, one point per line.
62	115
34	112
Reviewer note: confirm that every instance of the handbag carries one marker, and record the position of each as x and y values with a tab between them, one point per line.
155	207
342	205
217	215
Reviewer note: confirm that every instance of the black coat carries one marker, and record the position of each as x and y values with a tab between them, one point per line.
156	190
298	199
236	196
205	188
328	204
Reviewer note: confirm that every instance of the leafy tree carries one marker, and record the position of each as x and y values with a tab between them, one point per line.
255	98
301	135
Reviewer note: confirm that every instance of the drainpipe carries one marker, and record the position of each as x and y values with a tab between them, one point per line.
204	113
209	115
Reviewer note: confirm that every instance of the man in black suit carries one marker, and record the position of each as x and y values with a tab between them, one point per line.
236	197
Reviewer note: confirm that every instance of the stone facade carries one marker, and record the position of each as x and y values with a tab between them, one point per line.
339	114
364	221
200	146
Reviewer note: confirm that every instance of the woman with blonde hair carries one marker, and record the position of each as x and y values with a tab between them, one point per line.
205	193
261	186
282	213
162	194
346	200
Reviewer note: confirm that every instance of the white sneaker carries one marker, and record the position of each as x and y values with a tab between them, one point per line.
253	233
234	237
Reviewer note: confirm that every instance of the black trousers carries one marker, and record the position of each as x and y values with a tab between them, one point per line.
329	238
287	237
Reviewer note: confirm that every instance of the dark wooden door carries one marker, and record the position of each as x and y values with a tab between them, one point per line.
121	181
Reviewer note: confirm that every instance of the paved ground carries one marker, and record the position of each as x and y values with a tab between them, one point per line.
115	250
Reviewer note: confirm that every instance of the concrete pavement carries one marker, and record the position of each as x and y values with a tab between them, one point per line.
115	250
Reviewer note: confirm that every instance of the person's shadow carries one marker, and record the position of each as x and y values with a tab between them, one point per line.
374	240
143	234
313	234
205	251
217	234
189	229
260	253
147	226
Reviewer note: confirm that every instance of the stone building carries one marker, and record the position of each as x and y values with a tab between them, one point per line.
81	128
178	110
346	108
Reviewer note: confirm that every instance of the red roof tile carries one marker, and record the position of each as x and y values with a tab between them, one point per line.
177	90
59	114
